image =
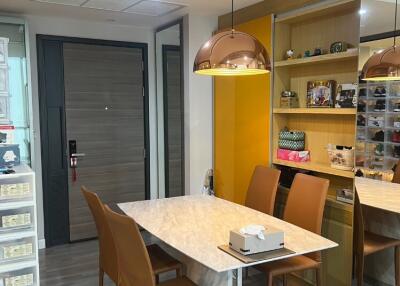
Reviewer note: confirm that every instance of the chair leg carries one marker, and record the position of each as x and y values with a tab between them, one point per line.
101	277
397	265
284	276
318	276
270	279
359	262
157	279
179	271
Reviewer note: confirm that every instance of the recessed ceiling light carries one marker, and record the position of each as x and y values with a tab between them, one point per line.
64	2
153	8
113	5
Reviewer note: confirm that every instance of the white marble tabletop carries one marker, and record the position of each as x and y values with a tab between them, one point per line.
197	225
379	194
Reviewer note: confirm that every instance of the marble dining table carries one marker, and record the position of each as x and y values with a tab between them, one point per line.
192	228
379	194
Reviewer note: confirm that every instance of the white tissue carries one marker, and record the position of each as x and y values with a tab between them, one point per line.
254	229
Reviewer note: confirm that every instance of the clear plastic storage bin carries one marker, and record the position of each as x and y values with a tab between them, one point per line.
22	277
16	189
15	219
17	250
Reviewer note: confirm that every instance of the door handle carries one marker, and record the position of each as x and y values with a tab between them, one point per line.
78	155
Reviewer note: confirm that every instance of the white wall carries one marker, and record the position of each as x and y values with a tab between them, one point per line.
198	104
95	30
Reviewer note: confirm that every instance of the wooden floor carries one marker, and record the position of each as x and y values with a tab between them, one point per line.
77	265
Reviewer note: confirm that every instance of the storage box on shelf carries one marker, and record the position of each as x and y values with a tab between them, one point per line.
378	129
18	232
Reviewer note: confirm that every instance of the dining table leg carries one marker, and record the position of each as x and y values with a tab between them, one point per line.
239	277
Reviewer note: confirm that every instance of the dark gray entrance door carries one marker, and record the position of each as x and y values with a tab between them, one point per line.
98	101
105	116
173	121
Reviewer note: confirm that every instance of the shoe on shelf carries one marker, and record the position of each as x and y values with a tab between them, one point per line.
379	150
379	136
396	107
396	136
380	105
361	121
359	173
361	106
362	92
396	121
380	91
396	152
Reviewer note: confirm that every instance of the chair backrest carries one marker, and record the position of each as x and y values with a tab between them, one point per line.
358	226
108	253
396	176
262	190
305	204
133	259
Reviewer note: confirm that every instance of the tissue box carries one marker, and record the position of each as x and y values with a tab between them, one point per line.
251	244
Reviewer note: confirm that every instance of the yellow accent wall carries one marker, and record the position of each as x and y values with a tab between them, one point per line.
242	122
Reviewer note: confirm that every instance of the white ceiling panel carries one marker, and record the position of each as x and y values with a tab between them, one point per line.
113	5
64	2
153	8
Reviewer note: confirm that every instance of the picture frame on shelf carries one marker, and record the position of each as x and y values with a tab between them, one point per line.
320	93
346	95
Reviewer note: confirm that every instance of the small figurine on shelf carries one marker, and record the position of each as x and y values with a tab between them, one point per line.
317	52
289	54
307	54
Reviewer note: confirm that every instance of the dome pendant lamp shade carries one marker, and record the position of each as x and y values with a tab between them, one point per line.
384	65
232	53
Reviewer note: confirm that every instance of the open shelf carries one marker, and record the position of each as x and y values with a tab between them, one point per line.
316	167
331	111
337	57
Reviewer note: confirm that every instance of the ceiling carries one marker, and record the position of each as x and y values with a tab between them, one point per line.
149	13
377	16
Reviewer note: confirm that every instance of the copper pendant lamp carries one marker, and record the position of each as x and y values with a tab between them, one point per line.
384	65
232	53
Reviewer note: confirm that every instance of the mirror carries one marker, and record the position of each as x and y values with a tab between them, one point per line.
170	105
377	149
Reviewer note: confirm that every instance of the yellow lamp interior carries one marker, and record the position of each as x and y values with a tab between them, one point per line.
231	72
383	78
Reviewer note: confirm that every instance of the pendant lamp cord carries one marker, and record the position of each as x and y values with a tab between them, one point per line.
395	26
232	18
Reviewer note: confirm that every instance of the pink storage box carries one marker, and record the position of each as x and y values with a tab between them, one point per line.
295	156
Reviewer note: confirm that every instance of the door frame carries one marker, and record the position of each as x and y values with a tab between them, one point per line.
40	39
165	49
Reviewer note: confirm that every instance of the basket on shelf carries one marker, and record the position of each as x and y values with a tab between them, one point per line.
341	158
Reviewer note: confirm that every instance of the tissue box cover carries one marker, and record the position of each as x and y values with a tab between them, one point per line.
251	244
295	156
9	155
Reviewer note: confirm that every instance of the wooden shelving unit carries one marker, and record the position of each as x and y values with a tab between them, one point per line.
306	29
323	59
316	167
327	111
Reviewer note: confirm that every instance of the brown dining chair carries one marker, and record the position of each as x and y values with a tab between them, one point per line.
396	175
367	243
304	208
160	260
135	266
262	189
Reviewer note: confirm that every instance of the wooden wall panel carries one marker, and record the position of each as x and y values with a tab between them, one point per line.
242	122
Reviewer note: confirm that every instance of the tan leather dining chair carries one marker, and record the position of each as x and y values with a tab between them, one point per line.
161	261
133	259
262	189
396	176
367	243
304	208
